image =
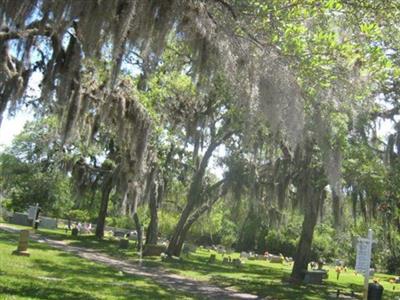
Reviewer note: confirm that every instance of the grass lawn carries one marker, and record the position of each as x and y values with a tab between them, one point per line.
256	277
53	274
265	279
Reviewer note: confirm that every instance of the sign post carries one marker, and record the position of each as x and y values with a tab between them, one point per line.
363	260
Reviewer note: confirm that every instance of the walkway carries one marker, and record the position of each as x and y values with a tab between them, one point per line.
162	277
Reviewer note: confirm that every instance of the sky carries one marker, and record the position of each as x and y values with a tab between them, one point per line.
12	126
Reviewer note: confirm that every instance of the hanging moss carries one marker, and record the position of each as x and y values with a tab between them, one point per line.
78	30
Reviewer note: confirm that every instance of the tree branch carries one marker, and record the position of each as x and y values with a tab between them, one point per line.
6	35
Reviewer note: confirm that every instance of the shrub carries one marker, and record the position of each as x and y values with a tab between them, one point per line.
78	215
276	242
121	222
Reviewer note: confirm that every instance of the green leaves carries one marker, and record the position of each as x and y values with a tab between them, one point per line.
333	5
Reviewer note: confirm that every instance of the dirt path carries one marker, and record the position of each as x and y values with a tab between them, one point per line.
197	288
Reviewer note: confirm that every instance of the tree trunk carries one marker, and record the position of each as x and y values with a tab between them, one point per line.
195	216
124	205
175	244
303	252
139	231
152	231
183	228
336	207
194	197
105	196
311	192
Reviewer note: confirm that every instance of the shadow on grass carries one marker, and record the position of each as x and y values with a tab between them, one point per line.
52	274
107	246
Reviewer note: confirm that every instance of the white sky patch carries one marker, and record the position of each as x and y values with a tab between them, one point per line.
386	127
13	125
215	167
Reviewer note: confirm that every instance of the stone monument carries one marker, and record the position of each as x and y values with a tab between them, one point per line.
22	244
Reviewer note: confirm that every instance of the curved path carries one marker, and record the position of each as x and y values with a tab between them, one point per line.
162	277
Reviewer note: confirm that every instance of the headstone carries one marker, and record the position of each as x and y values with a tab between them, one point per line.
315	276
48	223
119	234
123	243
153	249
20	219
221	249
275	259
289	259
163	257
74	231
188	248
237	262
22	244
375	291
212	258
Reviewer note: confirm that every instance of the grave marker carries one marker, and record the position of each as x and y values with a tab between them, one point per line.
22	244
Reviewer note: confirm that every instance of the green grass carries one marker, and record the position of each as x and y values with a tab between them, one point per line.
53	274
256	277
266	279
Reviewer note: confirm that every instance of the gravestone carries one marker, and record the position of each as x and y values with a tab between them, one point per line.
22	244
48	223
153	249
74	231
123	243
237	262
275	259
119	234
315	276
20	219
212	258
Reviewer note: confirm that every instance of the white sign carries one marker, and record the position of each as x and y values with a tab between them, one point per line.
32	211
363	260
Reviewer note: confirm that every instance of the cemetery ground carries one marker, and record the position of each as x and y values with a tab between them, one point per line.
50	274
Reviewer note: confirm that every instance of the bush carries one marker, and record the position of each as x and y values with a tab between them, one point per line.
78	215
167	222
276	242
121	222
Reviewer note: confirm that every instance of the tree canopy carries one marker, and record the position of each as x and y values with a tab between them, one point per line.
142	94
